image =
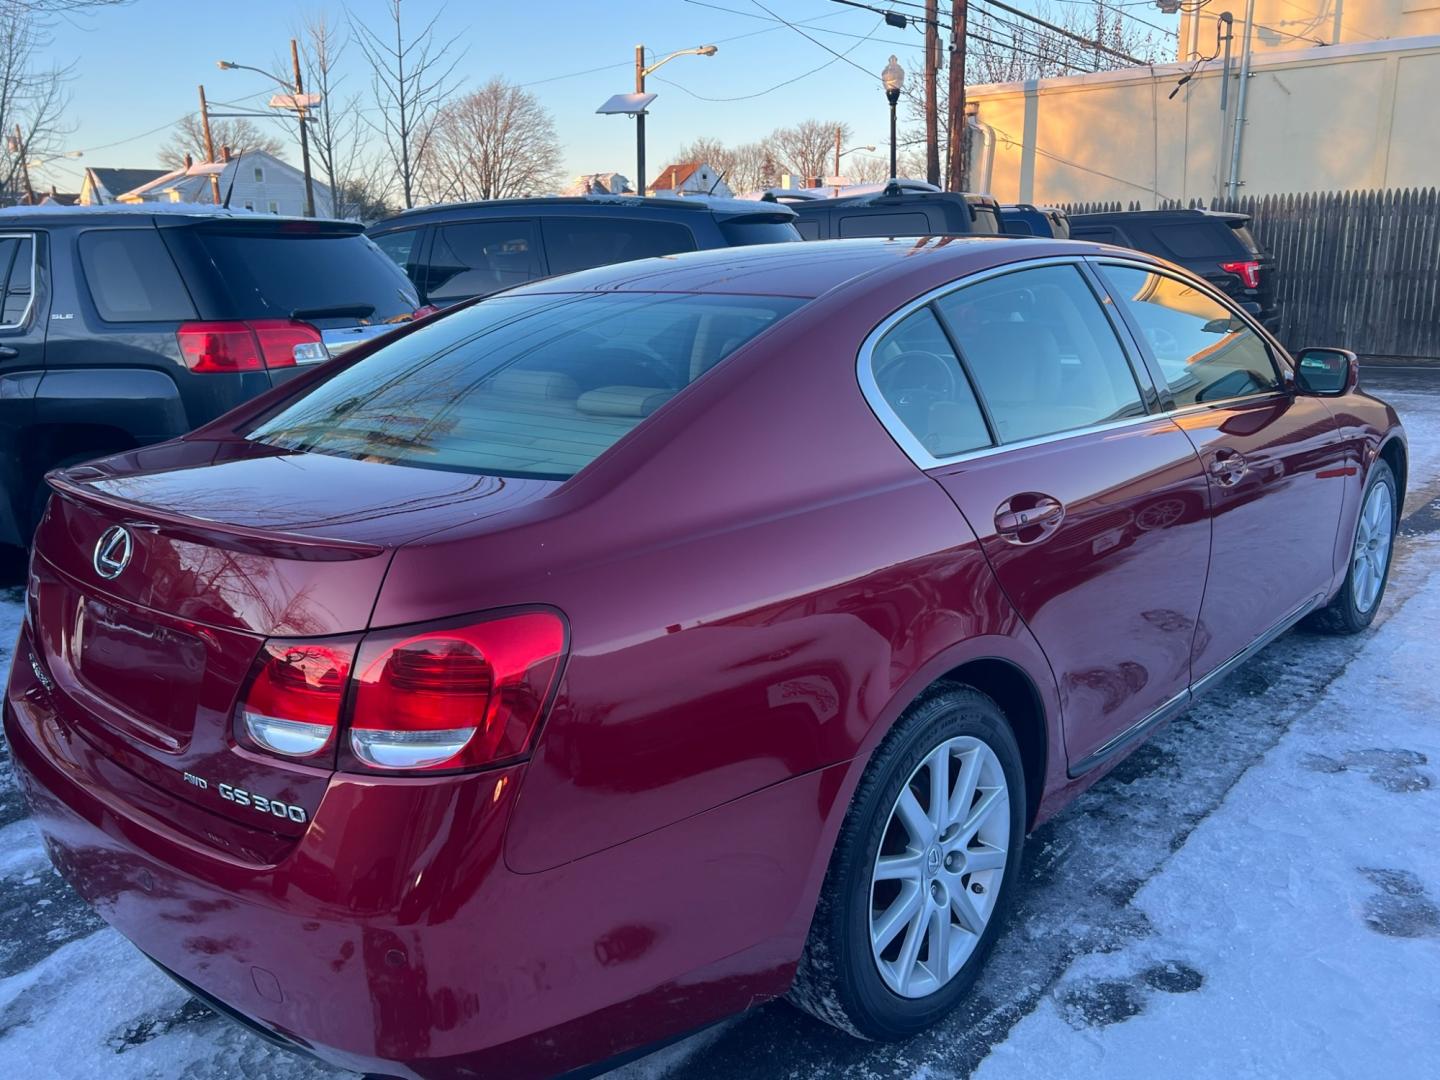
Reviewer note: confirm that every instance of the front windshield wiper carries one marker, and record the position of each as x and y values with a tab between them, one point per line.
335	311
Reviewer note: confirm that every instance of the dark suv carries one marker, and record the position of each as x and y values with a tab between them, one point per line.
458	250
1217	246
1025	219
129	325
897	210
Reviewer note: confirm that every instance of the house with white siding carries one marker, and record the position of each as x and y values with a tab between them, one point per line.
253	181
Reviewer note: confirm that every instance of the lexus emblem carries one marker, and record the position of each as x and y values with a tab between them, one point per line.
112	552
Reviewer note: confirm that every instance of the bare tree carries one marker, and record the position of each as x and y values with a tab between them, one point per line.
239	134
32	97
496	143
865	169
808	148
410	78
336	133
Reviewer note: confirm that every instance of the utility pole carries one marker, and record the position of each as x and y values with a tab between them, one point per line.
304	134
640	120
1242	96
932	122
836	174
209	147
955	178
24	152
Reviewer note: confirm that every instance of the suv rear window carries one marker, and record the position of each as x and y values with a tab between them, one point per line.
132	277
741	232
270	275
1195	240
521	385
579	243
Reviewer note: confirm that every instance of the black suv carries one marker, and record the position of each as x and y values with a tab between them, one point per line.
458	250
897	209
129	325
1217	246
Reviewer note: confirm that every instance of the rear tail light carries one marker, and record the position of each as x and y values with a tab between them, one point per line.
455	696
1247	271
451	696
292	703
227	347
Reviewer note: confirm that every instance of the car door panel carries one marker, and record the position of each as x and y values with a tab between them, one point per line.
1111	593
1274	520
1275	462
25	317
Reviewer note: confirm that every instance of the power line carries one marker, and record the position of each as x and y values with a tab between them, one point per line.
807	37
1089	44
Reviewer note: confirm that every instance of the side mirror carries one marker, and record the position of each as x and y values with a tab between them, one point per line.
1327	372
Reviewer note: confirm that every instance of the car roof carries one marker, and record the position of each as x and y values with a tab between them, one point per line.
812	268
160	213
889	197
1152	217
695	204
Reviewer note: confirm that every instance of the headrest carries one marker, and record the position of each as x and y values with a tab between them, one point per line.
637	401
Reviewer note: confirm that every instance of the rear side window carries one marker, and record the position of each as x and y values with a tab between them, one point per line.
477	258
400	247
917	373
1099	234
909	224
808	228
17	278
580	243
985	221
270	275
1018	226
1200	240
521	385
1206	351
1042	352
132	277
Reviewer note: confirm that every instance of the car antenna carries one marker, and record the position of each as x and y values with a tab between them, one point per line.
715	184
231	189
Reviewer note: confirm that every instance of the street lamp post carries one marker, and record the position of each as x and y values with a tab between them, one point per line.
894	78
640	72
297	102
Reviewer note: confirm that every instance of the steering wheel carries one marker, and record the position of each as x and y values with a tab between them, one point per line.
918	378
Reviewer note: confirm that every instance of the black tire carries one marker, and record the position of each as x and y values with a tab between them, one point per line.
1343	615
838	980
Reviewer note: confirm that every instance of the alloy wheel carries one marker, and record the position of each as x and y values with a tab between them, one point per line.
1373	539
937	874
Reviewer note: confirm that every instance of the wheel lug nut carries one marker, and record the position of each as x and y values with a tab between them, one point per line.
977	888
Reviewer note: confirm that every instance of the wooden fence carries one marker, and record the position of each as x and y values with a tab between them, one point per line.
1358	269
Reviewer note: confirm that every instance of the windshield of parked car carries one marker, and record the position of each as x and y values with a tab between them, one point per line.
524	385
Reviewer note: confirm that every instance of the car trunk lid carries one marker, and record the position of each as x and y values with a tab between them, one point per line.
156	582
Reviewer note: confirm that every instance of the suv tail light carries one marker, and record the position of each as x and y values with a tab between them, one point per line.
254	345
451	696
1247	271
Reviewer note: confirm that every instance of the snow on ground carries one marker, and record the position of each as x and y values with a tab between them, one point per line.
1297	931
1256	891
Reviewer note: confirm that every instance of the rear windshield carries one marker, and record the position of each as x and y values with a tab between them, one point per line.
273	276
530	385
1199	239
1246	237
740	232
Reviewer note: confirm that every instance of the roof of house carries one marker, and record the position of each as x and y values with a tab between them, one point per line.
119	181
675	175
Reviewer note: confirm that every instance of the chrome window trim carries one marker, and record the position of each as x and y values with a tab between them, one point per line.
34	276
896	427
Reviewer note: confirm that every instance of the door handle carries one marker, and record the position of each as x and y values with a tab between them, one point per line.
1028	523
7	353
1227	468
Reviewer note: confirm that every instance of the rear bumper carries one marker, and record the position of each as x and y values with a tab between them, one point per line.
392	939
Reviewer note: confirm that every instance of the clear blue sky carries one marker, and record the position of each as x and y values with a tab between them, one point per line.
138	66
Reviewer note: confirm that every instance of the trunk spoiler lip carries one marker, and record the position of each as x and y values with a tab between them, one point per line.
272	542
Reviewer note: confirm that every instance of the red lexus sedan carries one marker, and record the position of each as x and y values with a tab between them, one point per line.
564	672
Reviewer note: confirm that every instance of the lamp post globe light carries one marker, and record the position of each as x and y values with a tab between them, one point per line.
894	78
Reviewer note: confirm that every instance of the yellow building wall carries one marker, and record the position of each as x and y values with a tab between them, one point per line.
1299	24
1318	120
